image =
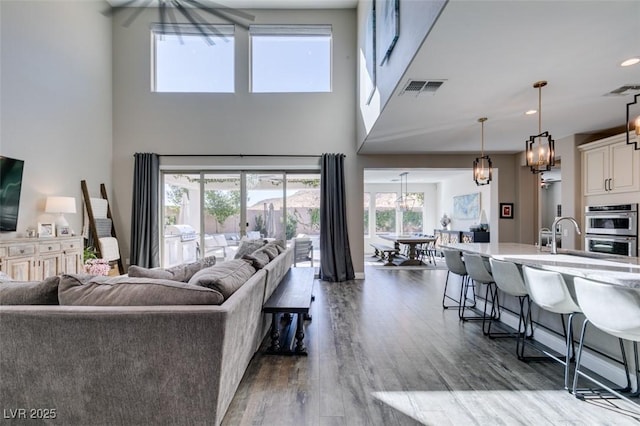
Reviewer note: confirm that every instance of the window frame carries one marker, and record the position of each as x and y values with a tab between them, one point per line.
297	30
183	29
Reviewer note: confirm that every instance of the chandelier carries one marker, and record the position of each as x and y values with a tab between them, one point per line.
540	148
482	166
633	125
404	202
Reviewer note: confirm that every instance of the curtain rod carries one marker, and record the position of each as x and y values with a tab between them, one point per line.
242	155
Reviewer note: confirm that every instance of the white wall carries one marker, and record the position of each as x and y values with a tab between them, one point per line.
462	185
239	123
416	19
55	100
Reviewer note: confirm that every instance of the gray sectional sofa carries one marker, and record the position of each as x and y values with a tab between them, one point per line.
133	365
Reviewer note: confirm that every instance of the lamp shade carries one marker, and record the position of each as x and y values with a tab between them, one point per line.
60	205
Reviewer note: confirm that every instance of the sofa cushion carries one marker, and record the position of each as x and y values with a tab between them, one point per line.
88	290
30	292
182	272
225	277
248	247
271	251
258	259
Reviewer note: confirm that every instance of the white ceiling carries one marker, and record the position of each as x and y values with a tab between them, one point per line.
491	53
413	175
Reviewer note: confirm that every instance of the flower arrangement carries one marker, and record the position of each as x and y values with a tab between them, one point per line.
97	267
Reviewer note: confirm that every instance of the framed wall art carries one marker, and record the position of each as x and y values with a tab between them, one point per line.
387	27
370	53
506	210
466	207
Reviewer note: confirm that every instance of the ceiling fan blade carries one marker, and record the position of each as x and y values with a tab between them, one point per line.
172	21
162	11
226	9
193	21
136	13
216	12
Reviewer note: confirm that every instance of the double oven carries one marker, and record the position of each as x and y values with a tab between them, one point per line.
612	229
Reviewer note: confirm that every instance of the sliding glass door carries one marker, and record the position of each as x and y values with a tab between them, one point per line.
207	213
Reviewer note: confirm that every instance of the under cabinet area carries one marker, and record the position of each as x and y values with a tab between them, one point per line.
610	166
38	258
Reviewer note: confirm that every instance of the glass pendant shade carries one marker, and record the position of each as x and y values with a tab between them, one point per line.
404	202
482	166
633	125
540	149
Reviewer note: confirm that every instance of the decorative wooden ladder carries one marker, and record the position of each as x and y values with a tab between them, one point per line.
92	223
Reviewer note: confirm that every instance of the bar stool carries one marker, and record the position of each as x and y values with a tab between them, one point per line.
549	290
479	273
614	309
453	260
509	279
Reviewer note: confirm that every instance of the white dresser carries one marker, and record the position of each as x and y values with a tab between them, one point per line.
32	259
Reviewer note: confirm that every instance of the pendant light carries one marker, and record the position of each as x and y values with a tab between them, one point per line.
482	166
404	202
633	125
540	149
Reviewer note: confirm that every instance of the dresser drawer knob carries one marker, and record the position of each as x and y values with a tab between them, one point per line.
49	248
21	251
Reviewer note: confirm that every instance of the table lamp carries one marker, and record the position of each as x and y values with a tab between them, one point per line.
61	205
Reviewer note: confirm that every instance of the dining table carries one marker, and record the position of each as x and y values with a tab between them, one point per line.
412	241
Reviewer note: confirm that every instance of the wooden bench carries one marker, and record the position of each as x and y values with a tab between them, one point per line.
385	252
292	296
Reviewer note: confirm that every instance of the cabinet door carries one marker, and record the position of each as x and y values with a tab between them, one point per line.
48	266
623	168
596	170
20	269
72	263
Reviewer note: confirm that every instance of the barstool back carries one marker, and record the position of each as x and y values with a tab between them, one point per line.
453	260
508	277
549	290
614	309
477	269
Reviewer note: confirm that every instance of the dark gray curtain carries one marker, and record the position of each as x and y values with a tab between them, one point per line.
335	254
145	238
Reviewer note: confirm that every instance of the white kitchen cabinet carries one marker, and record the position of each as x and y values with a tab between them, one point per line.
610	166
29	259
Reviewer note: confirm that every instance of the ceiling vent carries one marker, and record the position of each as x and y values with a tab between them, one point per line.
625	90
417	87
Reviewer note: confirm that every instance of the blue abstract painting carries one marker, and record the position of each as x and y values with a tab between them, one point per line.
466	206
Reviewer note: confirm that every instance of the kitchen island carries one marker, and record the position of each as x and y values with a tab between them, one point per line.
620	270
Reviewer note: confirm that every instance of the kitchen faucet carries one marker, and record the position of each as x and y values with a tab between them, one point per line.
554	229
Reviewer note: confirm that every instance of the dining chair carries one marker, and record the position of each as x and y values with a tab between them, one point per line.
615	310
455	265
479	272
549	290
509	280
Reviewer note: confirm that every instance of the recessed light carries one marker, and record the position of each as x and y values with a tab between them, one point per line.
531	112
629	62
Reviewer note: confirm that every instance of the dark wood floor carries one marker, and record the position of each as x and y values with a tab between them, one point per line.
383	352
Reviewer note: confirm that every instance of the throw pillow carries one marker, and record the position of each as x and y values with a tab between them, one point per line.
182	273
271	251
87	290
248	247
5	277
281	244
225	277
258	259
30	292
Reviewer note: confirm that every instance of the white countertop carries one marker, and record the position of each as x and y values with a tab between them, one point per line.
619	270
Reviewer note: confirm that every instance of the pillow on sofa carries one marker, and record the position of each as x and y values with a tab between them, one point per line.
88	290
30	292
271	251
182	273
258	259
248	247
225	277
280	244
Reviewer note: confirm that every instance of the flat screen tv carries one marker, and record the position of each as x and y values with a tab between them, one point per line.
10	184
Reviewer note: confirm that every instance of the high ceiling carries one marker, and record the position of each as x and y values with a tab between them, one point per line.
491	52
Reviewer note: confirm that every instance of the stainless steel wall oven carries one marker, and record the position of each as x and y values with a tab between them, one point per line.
612	229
